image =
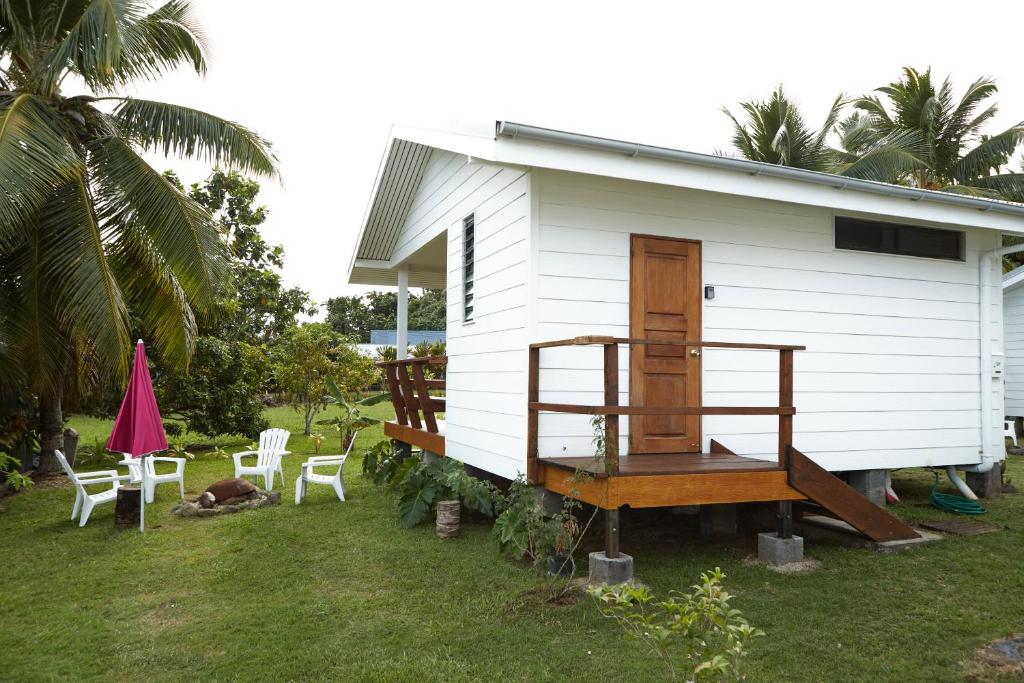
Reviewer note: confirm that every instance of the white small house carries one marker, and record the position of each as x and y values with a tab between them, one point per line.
541	235
1013	329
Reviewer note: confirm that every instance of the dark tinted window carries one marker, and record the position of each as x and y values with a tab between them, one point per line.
893	238
468	262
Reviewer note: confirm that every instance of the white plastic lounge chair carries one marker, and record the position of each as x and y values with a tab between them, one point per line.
134	466
336	480
1009	432
268	457
85	501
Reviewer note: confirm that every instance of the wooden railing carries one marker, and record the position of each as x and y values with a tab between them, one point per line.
410	391
612	410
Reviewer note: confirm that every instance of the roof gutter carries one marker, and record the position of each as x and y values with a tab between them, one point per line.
521	131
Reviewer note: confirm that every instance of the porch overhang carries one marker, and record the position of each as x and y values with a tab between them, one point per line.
384	273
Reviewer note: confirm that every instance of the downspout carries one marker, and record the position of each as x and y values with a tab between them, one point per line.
985	263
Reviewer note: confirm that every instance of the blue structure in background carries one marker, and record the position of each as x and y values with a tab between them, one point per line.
390	337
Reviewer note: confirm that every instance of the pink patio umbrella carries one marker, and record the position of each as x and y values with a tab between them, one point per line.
138	429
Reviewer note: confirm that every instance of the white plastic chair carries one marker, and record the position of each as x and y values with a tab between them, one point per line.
85	501
308	476
134	466
268	457
1009	432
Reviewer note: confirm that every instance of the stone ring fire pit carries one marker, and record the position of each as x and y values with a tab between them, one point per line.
227	496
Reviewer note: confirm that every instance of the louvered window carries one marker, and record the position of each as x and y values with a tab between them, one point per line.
893	238
468	241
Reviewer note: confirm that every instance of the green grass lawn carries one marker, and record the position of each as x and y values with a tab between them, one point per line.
342	592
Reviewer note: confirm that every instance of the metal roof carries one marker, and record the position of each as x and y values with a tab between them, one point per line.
757	168
400	176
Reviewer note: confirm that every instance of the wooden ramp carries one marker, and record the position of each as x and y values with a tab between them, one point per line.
845	502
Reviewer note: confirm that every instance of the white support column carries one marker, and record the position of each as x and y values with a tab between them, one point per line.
402	340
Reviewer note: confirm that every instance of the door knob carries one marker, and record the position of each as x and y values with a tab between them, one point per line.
695	352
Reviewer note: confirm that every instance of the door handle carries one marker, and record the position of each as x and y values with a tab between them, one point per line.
695	352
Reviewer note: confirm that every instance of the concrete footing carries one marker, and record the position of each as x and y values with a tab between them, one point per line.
430	457
870	483
610	570
987	484
717	520
778	551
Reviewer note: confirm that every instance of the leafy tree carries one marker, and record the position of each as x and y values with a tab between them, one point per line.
88	230
349	316
775	133
221	393
304	357
258	307
428	311
355	315
942	133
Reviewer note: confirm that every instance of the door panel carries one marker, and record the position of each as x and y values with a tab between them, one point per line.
664	303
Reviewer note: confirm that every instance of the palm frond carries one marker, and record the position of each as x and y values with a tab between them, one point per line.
86	297
181	131
830	120
961	124
1009	186
162	41
132	193
35	157
154	294
114	42
887	160
989	155
37	343
741	139
94	44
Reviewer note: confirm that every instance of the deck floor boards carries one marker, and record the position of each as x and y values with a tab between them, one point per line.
650	464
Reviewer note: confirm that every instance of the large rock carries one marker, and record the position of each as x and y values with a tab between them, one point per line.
231	488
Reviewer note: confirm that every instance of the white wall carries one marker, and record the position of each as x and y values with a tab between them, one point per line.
890	375
1013	328
487	358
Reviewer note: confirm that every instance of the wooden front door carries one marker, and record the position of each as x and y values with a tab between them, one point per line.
664	303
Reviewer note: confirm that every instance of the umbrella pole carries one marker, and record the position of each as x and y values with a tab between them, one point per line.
142	496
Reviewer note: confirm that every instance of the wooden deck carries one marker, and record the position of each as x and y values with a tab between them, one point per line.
661	480
644	480
666	463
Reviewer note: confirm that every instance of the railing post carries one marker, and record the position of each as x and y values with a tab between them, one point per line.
611	398
785	401
423	392
411	405
396	394
532	417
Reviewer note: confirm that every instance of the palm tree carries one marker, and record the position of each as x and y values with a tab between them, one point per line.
88	229
943	133
775	133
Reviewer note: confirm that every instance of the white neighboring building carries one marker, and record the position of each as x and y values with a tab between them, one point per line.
533	233
1013	329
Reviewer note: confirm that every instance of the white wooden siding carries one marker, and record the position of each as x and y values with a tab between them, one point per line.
1013	307
487	357
890	377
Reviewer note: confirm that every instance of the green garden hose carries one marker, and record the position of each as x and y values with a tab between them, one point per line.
951	503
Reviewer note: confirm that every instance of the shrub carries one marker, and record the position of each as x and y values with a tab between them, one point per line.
697	635
426	484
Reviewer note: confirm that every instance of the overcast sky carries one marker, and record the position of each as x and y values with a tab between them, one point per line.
325	81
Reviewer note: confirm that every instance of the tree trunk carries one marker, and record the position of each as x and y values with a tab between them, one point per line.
51	429
309	420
